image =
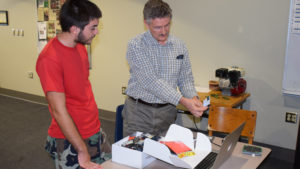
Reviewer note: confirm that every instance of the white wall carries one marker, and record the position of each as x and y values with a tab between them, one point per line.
247	33
17	53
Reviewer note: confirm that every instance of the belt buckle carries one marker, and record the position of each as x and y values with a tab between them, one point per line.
156	105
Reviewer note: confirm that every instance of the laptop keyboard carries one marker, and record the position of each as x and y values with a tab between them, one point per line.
207	162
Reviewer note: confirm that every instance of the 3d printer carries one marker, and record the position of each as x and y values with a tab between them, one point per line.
231	81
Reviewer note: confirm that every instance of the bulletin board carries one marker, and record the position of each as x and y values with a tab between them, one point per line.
47	20
291	78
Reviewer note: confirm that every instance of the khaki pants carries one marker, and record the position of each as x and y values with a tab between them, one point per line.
147	119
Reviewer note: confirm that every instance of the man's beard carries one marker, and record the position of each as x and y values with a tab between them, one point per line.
81	39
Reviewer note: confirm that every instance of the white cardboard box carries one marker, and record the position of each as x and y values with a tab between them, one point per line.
178	133
129	157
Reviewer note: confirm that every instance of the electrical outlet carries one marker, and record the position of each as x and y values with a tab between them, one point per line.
30	74
291	117
123	90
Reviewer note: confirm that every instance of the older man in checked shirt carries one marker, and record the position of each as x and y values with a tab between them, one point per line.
159	64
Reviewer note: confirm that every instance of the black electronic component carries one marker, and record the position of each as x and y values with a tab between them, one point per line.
222	73
252	150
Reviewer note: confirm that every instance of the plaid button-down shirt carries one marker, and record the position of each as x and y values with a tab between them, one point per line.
156	71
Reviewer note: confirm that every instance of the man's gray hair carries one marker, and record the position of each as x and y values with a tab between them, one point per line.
156	9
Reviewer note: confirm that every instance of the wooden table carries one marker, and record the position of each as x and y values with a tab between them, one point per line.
219	100
252	163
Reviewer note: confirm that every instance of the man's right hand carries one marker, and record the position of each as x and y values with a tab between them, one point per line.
84	161
193	105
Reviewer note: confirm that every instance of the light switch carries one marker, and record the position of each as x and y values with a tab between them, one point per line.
21	32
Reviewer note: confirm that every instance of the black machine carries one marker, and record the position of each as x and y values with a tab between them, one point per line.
231	81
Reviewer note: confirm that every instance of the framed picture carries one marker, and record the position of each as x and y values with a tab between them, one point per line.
89	51
3	18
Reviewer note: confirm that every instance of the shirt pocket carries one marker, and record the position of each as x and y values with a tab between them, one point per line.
173	67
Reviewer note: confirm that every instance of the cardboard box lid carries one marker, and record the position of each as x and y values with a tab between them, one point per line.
179	133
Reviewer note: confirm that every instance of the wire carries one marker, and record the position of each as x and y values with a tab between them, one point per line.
216	144
195	124
212	141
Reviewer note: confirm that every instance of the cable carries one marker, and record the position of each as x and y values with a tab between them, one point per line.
211	139
195	124
216	144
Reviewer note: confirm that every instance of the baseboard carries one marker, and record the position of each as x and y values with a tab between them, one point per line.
22	95
107	115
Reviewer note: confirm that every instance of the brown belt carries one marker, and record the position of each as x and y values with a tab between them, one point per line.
156	105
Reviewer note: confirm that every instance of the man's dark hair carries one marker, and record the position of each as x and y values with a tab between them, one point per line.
78	13
156	9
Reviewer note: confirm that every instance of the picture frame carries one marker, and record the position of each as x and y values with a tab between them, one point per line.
89	51
3	18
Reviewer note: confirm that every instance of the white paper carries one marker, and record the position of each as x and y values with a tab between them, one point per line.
206	102
41	3
42	30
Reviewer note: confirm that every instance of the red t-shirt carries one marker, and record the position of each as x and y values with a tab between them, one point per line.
65	69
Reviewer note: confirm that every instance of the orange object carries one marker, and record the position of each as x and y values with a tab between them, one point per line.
213	85
131	137
176	146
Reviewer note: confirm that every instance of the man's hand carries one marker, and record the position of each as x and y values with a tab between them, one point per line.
84	161
193	105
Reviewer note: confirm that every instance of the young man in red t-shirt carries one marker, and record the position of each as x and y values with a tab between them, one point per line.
63	67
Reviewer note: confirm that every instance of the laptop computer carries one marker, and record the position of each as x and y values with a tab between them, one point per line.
224	159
